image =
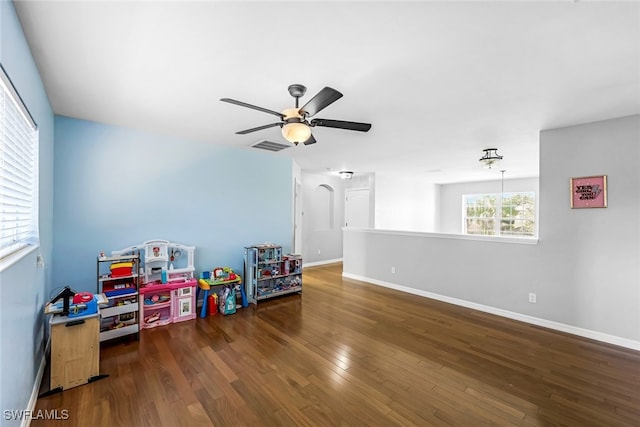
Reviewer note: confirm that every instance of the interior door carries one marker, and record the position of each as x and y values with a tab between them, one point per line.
356	207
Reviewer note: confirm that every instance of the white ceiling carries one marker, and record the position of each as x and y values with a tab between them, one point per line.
439	81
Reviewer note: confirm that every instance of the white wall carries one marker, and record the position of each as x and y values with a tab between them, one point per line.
319	241
451	197
296	172
584	269
409	203
405	202
590	258
316	236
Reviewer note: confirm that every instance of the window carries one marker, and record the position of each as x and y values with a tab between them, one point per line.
480	214
18	171
508	214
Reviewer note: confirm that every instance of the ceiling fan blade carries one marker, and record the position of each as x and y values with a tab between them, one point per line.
320	101
310	141
243	132
340	124
254	107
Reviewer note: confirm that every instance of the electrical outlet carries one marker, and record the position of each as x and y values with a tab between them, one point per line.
532	298
393	270
318	251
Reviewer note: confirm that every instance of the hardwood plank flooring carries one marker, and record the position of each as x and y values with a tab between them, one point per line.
346	353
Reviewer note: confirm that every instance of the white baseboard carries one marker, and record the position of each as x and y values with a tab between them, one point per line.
31	406
317	263
586	333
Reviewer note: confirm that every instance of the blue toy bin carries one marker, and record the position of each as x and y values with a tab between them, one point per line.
78	310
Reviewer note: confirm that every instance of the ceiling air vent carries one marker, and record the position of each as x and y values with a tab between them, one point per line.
270	145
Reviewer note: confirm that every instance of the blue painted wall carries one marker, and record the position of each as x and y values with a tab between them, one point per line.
116	187
23	286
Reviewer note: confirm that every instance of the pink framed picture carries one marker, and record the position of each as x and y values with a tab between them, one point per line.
589	192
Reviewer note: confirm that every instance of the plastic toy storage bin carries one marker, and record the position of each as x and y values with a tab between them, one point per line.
155	305
121	269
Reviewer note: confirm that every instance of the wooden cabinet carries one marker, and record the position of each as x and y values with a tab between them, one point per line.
269	273
75	350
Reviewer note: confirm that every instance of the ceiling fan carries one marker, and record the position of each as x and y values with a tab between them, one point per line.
295	123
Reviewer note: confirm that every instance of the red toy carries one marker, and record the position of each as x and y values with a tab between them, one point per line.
212	304
82	297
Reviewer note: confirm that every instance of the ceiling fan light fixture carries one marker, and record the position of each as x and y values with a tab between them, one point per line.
295	129
296	132
490	157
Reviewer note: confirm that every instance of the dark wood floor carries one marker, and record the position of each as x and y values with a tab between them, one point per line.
348	353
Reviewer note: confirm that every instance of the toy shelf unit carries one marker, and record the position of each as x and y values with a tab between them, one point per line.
164	261
269	273
118	280
163	304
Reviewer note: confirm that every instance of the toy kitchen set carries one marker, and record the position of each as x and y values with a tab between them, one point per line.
164	292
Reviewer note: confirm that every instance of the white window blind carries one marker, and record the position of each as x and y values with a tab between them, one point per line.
18	171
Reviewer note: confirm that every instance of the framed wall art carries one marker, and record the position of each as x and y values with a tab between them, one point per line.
589	192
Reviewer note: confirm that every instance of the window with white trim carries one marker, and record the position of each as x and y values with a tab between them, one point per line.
507	214
18	171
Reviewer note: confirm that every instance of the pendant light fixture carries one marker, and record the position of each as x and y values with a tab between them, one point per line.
490	158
